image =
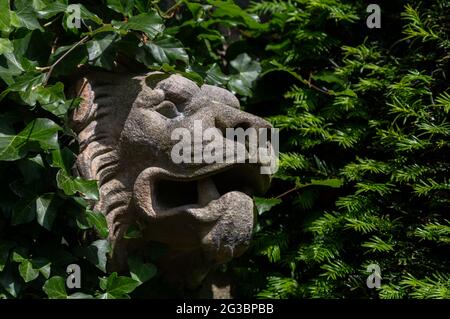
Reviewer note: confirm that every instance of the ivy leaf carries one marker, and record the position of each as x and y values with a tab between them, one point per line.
168	49
215	76
24	212
106	296
122	6
229	9
249	71
18	255
5	16
265	204
71	185
80	295
55	288
46	210
28	18
87	15
27	272
32	169
10	68
43	132
5	46
97	253
43	265
26	86
118	286
141	272
51	9
62	158
103	282
10	283
5	247
98	220
52	99
150	23
101	50
121	286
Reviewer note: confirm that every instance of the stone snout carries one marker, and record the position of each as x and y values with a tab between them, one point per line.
252	145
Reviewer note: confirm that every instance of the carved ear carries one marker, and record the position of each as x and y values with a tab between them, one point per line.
83	114
220	95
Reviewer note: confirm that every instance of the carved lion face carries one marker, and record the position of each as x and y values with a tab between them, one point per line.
203	212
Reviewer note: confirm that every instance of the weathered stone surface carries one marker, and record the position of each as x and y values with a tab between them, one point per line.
203	212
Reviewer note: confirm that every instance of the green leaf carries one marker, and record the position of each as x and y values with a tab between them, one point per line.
27	271
24	212
167	50
107	296
32	169
101	51
71	185
46	210
51	9
26	85
62	158
55	288
54	8
5	247
10	282
229	9
122	6
80	295
87	15
247	68
98	220
5	46
215	76
43	132
248	71
43	265
103	282
18	255
11	68
150	23
97	253
5	19
265	204
119	286
141	272
52	99
28	18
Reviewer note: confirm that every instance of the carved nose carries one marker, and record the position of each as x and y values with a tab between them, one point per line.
230	117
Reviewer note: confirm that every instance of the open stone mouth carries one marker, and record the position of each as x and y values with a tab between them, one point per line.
171	195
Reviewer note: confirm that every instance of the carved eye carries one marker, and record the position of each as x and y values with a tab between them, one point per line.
167	109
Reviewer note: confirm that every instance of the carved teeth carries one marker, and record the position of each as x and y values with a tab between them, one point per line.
207	191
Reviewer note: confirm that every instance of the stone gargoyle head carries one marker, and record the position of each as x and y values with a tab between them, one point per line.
203	212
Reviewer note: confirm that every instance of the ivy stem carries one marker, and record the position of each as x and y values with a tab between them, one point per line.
170	12
51	67
287	192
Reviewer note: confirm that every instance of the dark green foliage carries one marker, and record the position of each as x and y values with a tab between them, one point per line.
365	142
364	119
